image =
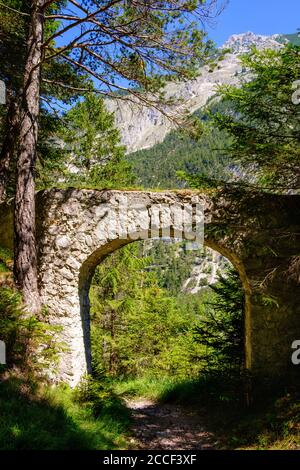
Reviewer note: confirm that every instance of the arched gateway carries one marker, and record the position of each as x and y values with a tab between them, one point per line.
258	233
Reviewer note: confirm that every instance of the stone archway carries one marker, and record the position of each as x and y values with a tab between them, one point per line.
258	233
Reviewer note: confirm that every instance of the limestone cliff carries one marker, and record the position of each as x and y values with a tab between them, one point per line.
142	127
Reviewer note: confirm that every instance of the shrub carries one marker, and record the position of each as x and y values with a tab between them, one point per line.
30	343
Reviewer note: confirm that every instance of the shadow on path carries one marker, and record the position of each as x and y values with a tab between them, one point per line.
167	427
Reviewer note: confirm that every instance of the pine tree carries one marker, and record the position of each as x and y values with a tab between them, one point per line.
221	328
263	119
137	327
141	44
92	148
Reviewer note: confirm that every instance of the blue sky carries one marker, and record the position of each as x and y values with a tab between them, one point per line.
259	16
239	16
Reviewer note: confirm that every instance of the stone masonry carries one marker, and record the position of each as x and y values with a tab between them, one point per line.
258	233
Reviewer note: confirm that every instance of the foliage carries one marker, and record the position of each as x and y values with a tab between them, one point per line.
6	259
180	152
262	119
137	327
221	331
271	423
293	38
35	416
123	48
13	32
98	396
30	343
27	403
143	44
90	148
171	262
13	29
146	386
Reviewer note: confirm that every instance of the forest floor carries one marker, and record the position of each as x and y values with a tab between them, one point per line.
181	416
167	427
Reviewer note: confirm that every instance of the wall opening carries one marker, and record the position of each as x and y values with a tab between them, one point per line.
147	304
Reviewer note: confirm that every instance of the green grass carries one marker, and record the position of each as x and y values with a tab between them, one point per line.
6	256
51	418
48	418
144	387
208	388
3	268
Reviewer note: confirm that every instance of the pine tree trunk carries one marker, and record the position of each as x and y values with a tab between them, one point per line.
25	244
9	143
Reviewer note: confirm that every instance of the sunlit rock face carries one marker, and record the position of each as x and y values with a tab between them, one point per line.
241	43
142	127
205	272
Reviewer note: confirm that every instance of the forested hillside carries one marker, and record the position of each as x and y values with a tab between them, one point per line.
157	167
157	321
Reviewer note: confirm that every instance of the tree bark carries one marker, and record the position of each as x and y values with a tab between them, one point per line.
25	261
9	143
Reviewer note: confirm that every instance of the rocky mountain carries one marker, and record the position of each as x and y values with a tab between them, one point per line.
207	266
142	127
241	43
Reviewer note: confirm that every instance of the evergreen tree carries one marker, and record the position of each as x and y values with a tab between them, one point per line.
137	327
172	263
145	44
263	119
13	32
180	154
221	328
91	154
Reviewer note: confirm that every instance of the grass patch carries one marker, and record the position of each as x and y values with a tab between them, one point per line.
6	259
57	418
168	389
3	268
267	426
144	387
48	418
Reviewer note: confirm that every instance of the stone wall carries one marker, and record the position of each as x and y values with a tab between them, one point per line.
76	230
258	233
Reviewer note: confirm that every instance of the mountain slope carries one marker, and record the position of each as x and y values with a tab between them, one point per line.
142	127
157	166
292	38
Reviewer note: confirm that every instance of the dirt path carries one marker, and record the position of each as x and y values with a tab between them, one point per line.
167	427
